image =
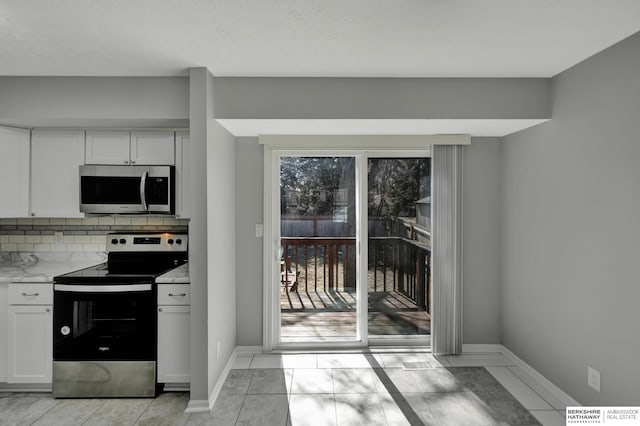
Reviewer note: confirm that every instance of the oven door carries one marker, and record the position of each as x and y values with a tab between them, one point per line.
114	322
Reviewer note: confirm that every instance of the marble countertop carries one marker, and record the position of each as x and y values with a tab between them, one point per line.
42	267
179	275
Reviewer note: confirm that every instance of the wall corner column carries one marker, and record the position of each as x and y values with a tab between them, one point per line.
199	111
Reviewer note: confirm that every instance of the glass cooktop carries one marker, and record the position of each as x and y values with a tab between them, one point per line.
100	274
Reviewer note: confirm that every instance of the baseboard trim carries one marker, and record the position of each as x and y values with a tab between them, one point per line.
25	387
553	389
197	406
482	348
546	383
176	387
248	350
223	376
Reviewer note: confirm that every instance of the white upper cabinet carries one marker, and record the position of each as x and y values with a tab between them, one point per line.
55	157
137	147
152	148
107	147
14	172
183	163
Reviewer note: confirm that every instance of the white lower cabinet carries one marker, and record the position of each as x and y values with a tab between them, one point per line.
30	344
173	334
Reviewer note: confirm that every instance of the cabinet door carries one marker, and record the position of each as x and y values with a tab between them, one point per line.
55	157
173	344
30	344
152	148
183	181
14	172
107	147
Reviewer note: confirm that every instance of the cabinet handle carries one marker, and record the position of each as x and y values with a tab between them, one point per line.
159	309
33	214
30	294
126	162
48	309
177	295
133	161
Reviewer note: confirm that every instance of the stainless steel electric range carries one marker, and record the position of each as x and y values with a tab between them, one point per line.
104	318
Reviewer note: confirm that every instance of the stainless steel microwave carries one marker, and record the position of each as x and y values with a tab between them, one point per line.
127	189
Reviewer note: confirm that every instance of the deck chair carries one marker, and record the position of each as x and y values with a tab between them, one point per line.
288	276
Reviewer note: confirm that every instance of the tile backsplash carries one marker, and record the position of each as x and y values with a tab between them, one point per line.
39	234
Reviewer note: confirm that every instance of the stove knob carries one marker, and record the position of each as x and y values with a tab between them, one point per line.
178	241
123	241
170	241
65	330
114	241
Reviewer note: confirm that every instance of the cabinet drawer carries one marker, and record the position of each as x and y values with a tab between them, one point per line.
30	294
174	294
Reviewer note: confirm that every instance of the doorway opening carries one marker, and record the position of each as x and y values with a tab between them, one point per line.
353	252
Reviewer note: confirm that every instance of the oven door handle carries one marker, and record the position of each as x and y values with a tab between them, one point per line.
126	288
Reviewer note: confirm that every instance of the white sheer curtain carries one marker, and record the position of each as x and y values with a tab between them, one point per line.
446	326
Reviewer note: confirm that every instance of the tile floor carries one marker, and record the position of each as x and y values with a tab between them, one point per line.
326	389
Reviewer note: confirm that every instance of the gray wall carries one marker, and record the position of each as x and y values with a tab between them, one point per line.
384	98
249	205
221	238
94	101
481	247
481	227
570	234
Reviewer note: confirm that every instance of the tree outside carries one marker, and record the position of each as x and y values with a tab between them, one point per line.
395	184
324	187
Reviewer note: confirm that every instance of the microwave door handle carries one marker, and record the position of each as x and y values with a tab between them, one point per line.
143	196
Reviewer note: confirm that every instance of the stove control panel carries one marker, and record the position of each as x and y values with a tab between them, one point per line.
165	241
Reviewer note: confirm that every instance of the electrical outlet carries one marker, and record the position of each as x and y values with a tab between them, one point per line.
218	350
593	379
58	237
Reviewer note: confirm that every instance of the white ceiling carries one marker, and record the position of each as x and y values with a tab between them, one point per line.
350	38
327	38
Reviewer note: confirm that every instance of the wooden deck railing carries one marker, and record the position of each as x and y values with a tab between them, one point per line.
401	265
324	263
329	263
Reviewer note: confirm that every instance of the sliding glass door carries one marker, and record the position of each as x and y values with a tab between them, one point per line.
318	231
399	241
351	255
